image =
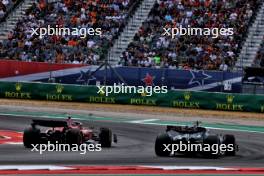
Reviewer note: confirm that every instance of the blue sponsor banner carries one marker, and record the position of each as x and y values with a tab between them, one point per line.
175	79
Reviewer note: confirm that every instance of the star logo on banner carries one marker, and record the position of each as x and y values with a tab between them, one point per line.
86	77
148	80
198	77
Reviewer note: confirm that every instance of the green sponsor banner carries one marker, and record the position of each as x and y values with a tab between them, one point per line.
177	99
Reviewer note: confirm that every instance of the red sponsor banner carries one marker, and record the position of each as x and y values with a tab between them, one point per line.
10	68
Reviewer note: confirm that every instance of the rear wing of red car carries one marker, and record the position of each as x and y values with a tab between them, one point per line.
49	123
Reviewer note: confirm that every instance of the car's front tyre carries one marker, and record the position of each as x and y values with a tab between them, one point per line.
105	137
161	140
229	140
209	143
31	136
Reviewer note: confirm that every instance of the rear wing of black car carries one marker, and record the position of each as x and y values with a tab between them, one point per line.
175	128
49	123
186	129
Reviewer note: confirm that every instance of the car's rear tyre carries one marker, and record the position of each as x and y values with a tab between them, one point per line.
105	137
74	137
159	145
210	141
31	136
230	140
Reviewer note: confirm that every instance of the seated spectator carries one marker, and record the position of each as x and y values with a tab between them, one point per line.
223	67
2	9
259	60
111	16
5	7
191	51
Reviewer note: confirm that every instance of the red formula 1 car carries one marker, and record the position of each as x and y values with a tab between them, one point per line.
62	132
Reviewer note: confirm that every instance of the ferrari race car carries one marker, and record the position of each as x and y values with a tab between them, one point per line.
194	141
63	133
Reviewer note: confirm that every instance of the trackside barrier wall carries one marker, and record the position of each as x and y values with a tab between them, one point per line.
19	68
177	99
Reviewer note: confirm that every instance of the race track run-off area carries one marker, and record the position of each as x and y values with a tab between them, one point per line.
133	154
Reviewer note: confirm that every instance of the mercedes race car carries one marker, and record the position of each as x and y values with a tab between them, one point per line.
194	141
64	133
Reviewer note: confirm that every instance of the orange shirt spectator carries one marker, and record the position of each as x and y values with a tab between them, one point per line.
68	3
42	4
72	43
209	49
93	16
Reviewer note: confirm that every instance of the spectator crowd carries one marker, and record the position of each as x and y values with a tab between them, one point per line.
5	5
150	48
259	61
109	15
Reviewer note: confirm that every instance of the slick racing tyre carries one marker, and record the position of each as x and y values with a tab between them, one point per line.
230	140
31	136
159	145
211	141
105	137
74	136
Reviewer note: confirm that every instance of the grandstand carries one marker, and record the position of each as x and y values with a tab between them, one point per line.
132	33
151	49
110	16
5	7
259	60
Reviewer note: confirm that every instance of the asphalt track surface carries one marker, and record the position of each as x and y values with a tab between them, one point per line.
135	147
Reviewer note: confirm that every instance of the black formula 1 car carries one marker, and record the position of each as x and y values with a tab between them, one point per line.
62	132
194	141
